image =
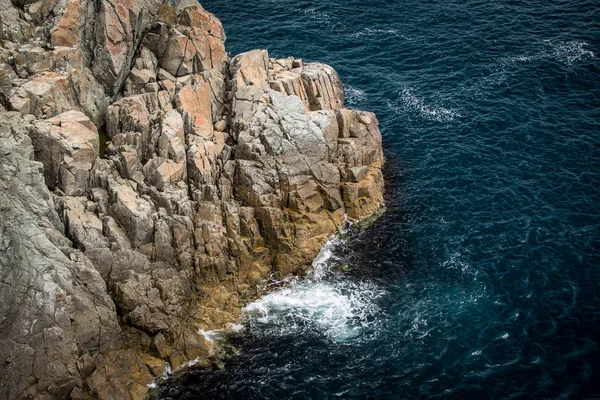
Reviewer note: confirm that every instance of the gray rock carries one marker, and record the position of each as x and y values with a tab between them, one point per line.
53	302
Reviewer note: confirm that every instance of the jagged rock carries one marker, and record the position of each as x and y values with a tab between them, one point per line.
277	133
195	47
45	95
31	59
217	174
68	314
323	87
316	84
161	173
66	32
14	28
67	145
85	228
132	212
193	101
8	79
171	143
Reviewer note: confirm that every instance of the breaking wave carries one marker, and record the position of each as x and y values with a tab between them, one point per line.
329	304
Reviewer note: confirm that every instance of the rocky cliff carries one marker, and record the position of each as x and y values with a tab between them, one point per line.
219	175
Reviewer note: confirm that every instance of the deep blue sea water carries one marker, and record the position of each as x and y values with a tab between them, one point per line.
482	281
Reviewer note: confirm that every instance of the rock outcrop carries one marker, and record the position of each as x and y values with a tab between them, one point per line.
219	175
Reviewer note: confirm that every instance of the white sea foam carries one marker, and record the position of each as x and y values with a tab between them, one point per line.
211	336
412	103
368	32
570	52
235	327
324	19
167	372
457	261
566	52
322	262
354	96
340	308
339	311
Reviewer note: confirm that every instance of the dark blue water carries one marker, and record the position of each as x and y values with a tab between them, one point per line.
482	280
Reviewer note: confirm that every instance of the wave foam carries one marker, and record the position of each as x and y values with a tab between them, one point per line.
339	311
369	32
410	102
564	52
340	308
354	96
324	19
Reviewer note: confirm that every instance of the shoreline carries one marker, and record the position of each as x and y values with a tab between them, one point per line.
222	349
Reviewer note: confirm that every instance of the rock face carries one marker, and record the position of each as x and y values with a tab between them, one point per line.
219	174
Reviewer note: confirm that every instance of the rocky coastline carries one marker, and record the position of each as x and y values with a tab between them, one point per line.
220	173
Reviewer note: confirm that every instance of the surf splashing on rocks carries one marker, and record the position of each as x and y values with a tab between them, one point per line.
329	304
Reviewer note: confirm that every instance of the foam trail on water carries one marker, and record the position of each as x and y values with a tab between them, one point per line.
354	96
414	104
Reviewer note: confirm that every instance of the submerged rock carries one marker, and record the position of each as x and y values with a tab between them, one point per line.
220	173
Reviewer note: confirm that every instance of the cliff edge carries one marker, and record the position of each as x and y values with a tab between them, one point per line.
150	186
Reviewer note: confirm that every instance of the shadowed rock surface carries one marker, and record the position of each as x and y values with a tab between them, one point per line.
220	174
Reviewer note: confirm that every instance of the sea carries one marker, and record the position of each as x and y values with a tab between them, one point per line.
482	279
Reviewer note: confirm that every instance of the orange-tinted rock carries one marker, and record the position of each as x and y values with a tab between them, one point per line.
45	95
218	173
193	101
66	33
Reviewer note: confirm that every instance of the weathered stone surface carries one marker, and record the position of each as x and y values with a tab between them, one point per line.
53	302
44	96
118	33
66	32
67	145
218	174
133	213
197	45
316	84
295	157
14	28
